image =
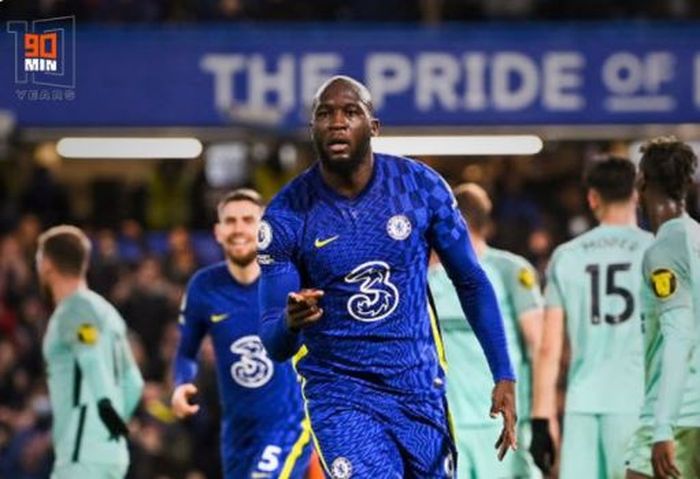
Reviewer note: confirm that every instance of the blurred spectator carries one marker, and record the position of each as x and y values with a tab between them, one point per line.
148	303
168	195
428	11
181	261
15	277
133	245
516	213
45	197
29	453
127	11
106	265
27	234
161	446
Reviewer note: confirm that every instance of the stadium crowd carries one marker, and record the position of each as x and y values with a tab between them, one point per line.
429	12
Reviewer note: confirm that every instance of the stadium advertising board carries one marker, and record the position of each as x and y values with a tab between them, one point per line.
480	75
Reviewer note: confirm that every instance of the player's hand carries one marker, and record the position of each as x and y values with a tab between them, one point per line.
663	459
302	309
503	402
111	419
542	445
180	401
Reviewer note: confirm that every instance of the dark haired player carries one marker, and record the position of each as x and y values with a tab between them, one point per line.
592	298
344	251
667	443
263	430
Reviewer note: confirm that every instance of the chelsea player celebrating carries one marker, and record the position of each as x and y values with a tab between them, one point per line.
344	252
263	431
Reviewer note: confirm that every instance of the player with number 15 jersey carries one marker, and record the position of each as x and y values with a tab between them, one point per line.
592	293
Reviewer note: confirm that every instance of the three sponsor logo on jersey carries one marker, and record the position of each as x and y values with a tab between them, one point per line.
377	297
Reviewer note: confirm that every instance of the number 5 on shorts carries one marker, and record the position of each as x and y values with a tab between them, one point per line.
269	461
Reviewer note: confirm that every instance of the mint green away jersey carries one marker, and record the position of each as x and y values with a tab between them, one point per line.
596	279
469	381
88	358
672	306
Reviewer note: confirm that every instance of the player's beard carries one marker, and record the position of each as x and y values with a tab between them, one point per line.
243	260
343	167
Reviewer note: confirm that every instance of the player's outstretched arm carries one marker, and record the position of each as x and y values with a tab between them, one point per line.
302	309
284	308
283	311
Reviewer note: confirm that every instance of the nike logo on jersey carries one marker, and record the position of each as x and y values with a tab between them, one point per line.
215	318
319	243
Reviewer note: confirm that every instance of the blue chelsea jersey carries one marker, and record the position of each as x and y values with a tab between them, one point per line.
254	390
369	255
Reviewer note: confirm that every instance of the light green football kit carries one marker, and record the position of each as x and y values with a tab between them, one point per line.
88	358
595	278
469	382
671	293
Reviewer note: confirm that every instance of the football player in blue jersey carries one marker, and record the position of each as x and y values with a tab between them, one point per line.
344	253
263	430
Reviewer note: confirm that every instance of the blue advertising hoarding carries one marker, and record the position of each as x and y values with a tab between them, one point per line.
212	75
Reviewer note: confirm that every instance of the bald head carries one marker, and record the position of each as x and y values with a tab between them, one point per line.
475	205
360	90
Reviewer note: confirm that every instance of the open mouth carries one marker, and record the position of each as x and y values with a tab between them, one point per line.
339	146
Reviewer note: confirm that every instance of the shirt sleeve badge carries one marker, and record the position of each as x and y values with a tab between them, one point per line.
527	278
664	283
88	334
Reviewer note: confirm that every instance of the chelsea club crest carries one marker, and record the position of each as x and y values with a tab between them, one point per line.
399	227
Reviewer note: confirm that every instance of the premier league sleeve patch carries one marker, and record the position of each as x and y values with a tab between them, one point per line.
87	334
264	235
664	283
526	278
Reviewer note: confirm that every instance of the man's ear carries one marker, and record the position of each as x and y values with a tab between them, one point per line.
593	199
374	126
216	231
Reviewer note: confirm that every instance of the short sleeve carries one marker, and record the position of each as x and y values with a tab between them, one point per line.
666	273
552	293
80	327
524	286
